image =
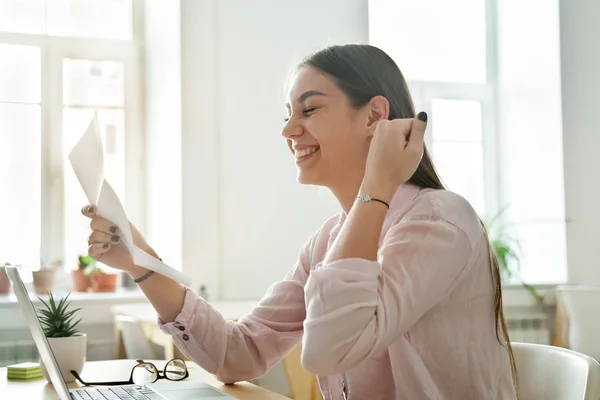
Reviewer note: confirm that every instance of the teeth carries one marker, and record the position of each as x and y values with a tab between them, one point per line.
305	152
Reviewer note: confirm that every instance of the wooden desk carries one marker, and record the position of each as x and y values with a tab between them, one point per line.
120	370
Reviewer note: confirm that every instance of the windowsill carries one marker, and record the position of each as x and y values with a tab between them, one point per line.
10	300
95	307
515	295
538	286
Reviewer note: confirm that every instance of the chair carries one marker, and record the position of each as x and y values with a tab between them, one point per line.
290	379
303	384
583	323
137	346
553	373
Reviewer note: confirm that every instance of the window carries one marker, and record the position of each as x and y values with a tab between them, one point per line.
491	86
59	61
88	86
20	141
451	80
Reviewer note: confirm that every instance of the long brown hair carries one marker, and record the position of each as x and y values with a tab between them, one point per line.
363	72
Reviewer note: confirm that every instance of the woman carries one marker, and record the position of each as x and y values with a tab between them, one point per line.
398	297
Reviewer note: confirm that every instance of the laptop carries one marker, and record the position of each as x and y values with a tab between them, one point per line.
180	390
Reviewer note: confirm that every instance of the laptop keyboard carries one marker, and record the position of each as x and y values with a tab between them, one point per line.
116	393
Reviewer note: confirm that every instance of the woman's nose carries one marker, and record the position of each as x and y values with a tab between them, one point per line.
291	129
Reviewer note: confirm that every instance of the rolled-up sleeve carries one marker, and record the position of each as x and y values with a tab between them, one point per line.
356	308
244	349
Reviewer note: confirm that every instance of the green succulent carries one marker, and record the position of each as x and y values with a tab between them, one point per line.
57	319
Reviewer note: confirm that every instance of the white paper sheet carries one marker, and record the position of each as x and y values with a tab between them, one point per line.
88	163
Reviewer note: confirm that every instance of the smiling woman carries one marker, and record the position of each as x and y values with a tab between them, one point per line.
403	275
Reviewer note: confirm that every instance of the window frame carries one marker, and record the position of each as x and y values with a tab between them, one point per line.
500	190
53	50
424	92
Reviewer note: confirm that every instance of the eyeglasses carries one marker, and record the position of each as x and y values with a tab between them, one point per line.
145	373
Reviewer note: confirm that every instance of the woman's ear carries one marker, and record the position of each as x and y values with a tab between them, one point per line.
378	109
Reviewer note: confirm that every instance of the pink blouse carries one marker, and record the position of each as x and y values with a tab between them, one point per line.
418	323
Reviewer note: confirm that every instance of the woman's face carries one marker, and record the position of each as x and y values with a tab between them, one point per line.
328	138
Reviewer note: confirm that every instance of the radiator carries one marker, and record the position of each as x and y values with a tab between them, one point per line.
13	352
529	328
17	352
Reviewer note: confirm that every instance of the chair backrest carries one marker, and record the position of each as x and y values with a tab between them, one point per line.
137	346
553	373
579	303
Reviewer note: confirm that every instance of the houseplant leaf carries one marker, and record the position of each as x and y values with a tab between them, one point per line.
508	252
57	317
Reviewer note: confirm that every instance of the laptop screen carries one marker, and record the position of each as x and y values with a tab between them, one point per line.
38	334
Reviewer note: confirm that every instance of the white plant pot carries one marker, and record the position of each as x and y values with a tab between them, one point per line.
70	354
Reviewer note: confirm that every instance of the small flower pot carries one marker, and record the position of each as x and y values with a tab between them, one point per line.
70	353
81	282
43	281
102	282
4	282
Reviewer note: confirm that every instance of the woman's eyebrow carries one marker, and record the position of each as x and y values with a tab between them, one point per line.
306	95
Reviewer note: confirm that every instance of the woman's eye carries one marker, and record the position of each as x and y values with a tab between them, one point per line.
305	112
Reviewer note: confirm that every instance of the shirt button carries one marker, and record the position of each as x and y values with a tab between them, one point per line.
185	337
181	328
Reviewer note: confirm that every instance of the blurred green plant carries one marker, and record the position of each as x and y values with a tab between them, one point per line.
508	252
87	264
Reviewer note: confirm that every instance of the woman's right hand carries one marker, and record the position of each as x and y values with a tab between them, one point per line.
106	245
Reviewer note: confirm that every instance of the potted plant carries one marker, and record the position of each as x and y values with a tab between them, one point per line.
508	252
102	281
43	279
81	281
4	281
68	345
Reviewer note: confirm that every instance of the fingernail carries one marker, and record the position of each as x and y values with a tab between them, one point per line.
115	238
90	209
105	246
113	229
422	116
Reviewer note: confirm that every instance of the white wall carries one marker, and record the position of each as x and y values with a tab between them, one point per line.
530	135
580	59
244	215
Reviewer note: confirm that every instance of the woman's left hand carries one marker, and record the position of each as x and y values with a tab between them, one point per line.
394	154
